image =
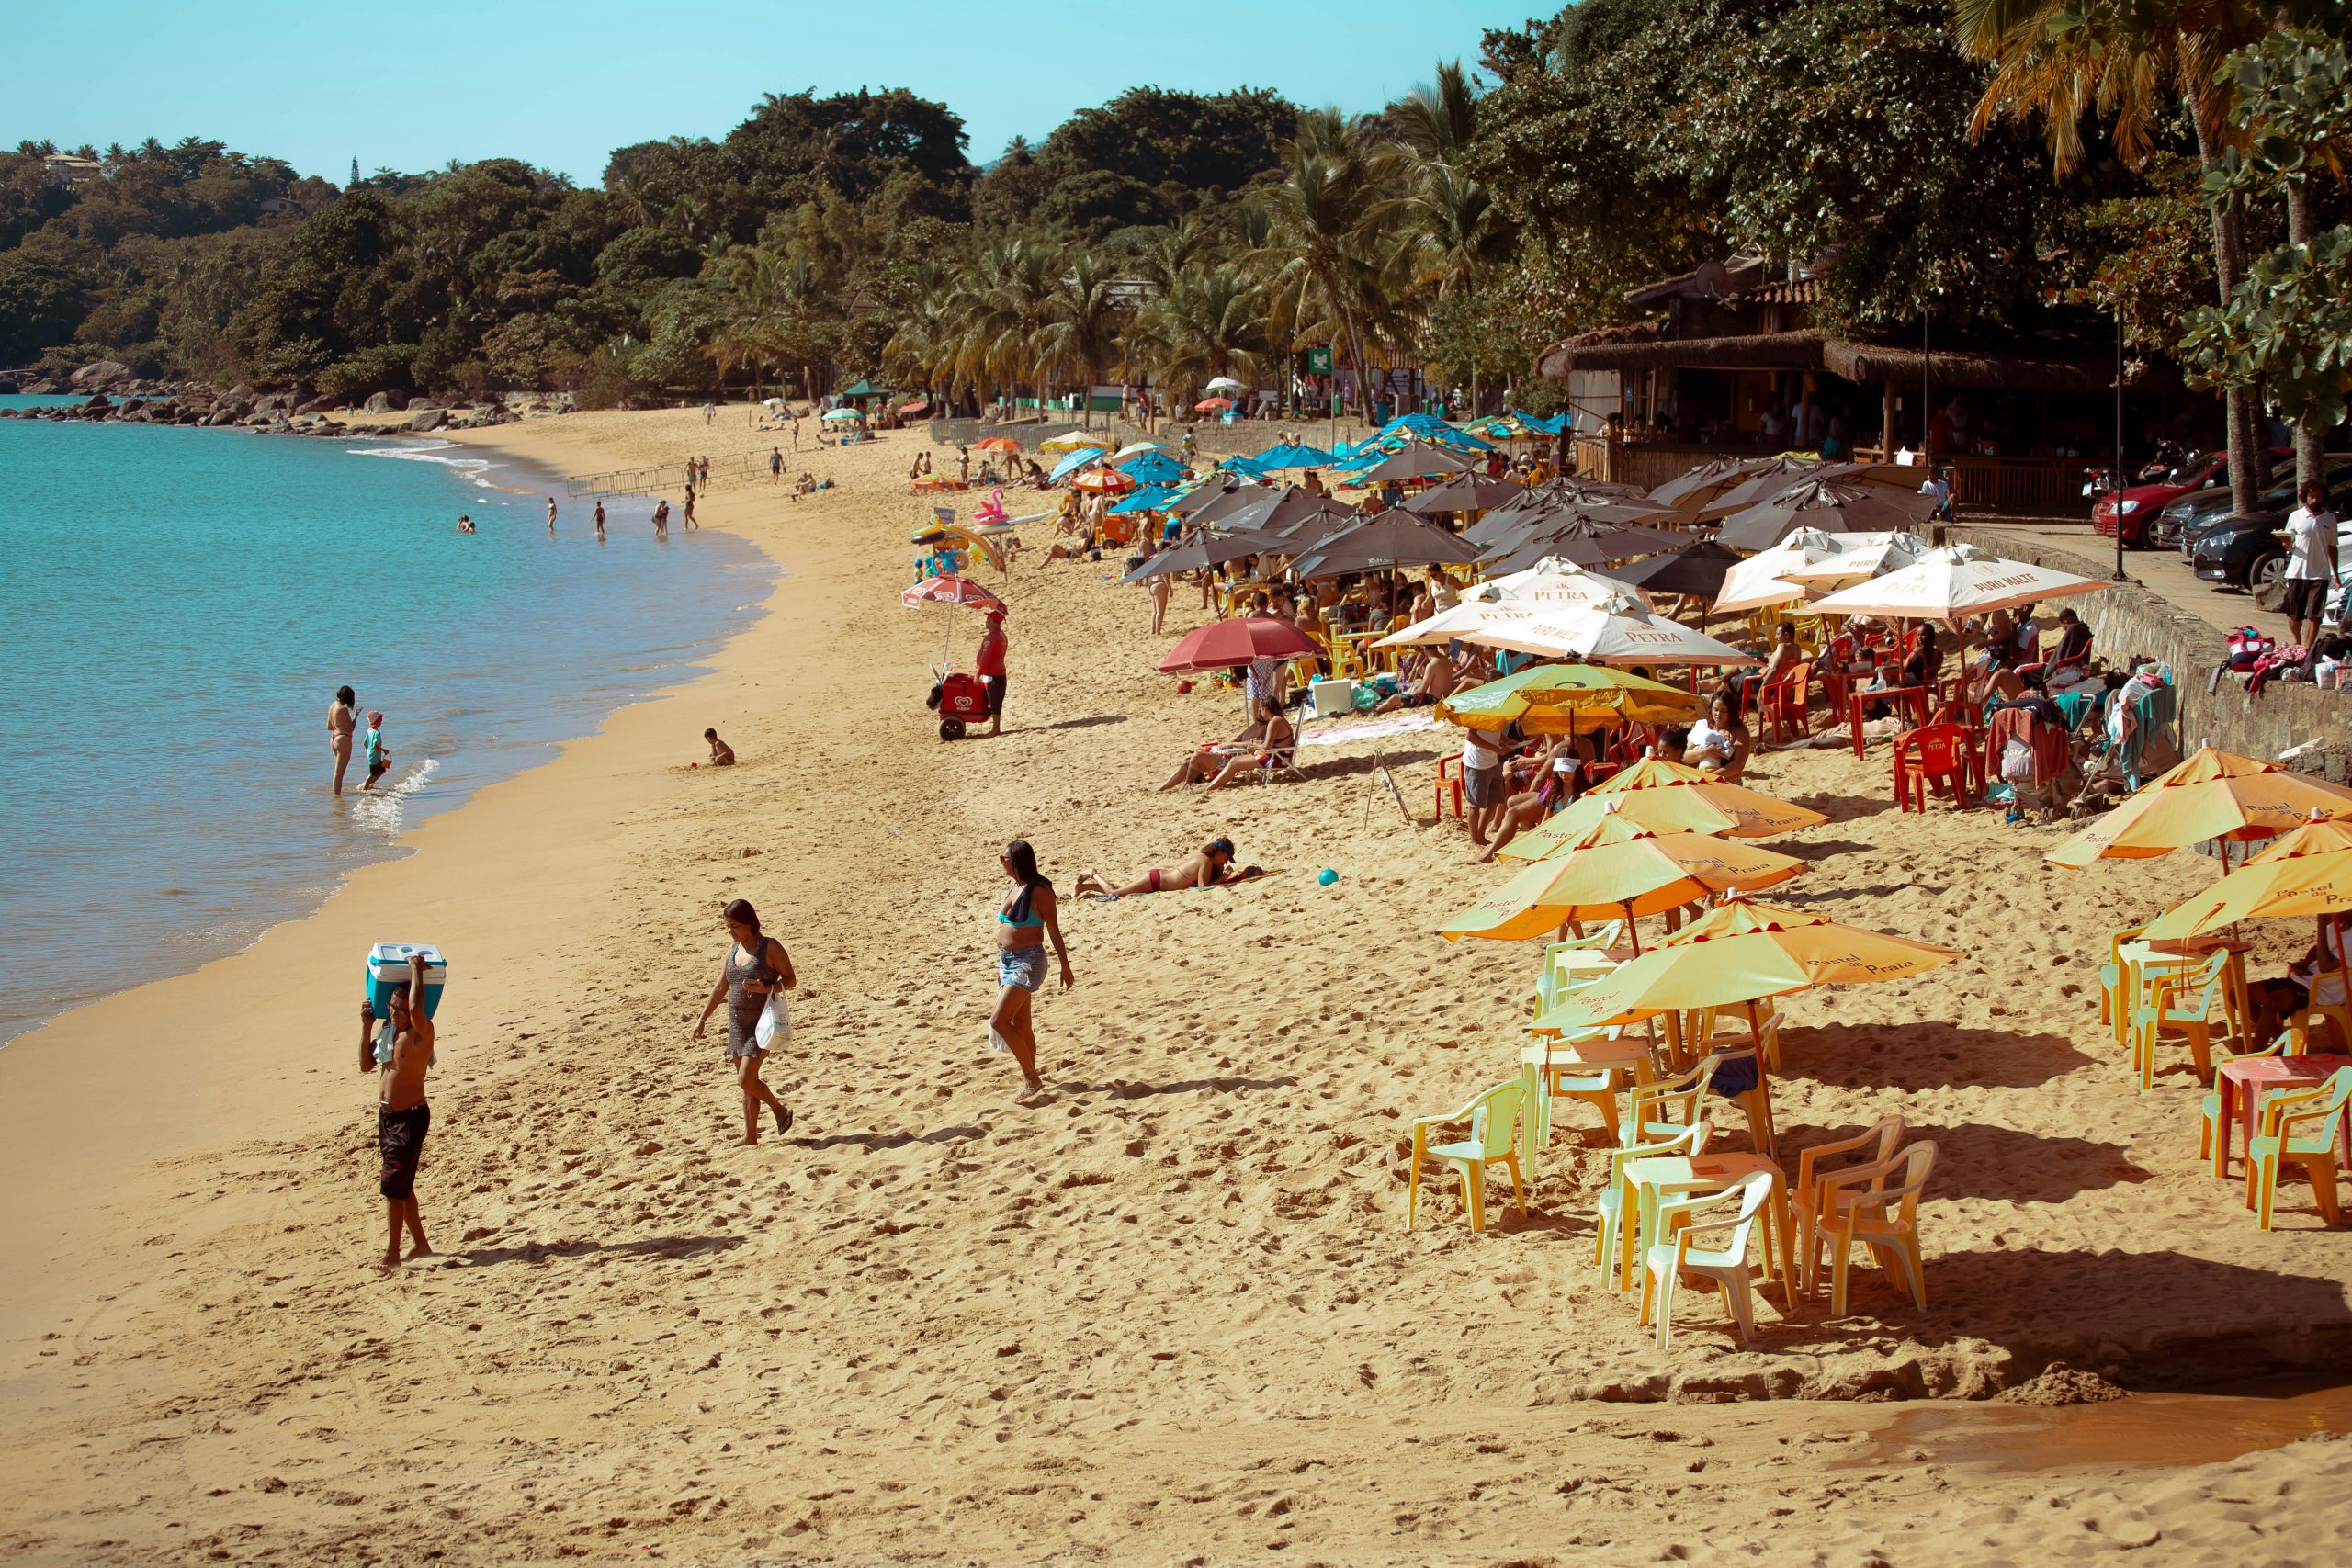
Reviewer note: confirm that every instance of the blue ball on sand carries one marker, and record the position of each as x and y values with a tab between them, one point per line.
1327	876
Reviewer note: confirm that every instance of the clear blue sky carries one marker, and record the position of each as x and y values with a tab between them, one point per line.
414	85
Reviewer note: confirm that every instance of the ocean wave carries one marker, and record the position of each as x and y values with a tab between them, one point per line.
427	452
379	810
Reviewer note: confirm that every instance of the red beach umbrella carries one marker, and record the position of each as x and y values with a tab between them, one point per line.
1229	644
950	591
1213	405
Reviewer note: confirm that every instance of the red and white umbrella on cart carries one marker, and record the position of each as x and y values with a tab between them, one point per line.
950	589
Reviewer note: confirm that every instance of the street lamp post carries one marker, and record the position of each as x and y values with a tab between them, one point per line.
2115	489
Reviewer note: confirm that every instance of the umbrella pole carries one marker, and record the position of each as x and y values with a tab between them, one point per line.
2343	971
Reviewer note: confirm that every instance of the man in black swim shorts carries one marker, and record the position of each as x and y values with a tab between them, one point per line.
402	1118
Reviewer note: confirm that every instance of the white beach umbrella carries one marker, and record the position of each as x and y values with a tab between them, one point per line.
1865	555
1757	580
1956	581
1617	630
1226	384
1133	448
1550	585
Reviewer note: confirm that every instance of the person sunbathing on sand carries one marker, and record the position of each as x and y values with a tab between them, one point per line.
1441	677
722	755
1205	867
1252	748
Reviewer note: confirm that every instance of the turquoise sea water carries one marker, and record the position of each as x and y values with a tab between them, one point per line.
177	610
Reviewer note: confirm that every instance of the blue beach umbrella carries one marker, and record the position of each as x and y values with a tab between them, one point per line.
1076	461
1292	455
1152	469
1150	498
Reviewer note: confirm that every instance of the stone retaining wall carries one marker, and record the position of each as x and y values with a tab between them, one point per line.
2128	620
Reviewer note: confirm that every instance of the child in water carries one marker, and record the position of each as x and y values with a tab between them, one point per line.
379	759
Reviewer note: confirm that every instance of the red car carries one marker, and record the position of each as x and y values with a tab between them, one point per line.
2142	502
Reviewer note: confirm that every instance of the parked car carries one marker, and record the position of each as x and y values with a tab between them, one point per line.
2182	520
2249	551
2138	506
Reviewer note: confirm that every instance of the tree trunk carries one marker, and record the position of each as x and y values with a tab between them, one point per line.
2248	466
2310	442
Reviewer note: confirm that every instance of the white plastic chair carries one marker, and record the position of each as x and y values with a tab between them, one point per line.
1724	1261
1859	1208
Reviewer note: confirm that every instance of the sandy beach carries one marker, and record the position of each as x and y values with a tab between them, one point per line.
1170	1314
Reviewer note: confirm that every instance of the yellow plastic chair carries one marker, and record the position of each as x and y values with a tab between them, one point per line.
1723	1260
1726	1027
2188	1005
1494	1140
1883	1218
2297	1128
2210	1141
1613	1210
1550	986
2113	1011
1658	1110
1815	1165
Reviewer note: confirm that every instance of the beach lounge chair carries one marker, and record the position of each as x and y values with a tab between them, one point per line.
2298	1127
1493	1117
1883	1218
1724	1259
2189	1005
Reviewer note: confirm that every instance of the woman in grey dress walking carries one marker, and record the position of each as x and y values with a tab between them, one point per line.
757	968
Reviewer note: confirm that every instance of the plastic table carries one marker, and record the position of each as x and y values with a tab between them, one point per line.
1679	1176
2241	1085
1915	697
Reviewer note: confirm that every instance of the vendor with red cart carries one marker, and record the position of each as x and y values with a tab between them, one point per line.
989	665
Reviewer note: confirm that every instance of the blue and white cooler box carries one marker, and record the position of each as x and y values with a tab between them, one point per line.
388	971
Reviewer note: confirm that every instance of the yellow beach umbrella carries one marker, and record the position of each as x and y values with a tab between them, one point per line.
1704	805
1560	699
2317	835
1076	441
2316	883
1742	952
2212	794
1648	773
1618	869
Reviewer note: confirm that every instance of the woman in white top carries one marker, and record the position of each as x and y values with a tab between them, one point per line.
1718	742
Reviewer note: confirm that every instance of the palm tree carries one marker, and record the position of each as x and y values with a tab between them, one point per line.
1087	314
1001	309
1212	321
1325	217
2058	63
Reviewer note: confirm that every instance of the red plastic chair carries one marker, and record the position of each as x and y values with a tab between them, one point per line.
1932	756
1782	703
1446	781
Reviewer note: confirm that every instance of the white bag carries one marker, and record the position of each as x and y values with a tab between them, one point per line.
774	1027
2016	762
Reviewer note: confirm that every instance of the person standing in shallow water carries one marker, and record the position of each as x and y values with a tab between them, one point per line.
600	521
343	718
757	968
1028	915
661	519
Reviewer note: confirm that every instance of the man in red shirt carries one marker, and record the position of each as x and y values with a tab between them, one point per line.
989	665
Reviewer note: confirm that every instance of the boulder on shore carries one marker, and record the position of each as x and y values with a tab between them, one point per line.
387	402
429	418
104	373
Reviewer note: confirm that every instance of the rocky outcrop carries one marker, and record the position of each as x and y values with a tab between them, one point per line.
429	418
387	402
104	373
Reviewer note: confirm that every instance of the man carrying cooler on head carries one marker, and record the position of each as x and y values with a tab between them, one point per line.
403	1117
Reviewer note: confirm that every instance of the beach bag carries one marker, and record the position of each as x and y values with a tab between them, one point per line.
2247	647
774	1027
2016	762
